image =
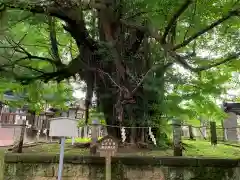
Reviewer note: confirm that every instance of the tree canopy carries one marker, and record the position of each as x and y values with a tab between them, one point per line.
35	96
142	58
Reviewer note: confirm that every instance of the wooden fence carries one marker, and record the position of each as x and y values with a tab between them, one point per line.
37	122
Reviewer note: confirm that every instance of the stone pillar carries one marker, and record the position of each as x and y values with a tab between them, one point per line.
17	128
94	138
204	129
177	142
85	131
80	132
64	114
72	112
230	125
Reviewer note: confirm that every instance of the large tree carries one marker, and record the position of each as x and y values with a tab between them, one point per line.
125	51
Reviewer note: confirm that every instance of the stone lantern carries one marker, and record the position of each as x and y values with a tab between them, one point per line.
64	114
72	112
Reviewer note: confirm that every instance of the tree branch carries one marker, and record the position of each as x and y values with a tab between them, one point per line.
24	58
228	59
75	26
182	61
54	43
53	8
158	37
171	50
31	68
36	57
208	28
18	48
191	20
43	77
71	69
75	23
154	67
146	29
13	65
49	8
29	56
175	17
137	14
109	76
79	32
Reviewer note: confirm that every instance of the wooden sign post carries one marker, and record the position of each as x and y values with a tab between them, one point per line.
108	147
62	127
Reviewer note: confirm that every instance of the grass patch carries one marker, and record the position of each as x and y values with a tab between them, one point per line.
197	148
81	140
55	149
204	149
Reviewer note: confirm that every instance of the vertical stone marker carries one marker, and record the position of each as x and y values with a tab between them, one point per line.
94	137
108	148
177	137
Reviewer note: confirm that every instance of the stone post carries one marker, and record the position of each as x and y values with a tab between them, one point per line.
191	136
177	137
85	131
94	138
213	131
203	129
72	112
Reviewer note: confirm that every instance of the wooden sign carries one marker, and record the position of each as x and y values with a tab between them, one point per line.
108	148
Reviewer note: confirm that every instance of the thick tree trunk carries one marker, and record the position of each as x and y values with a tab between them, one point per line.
17	148
117	63
191	136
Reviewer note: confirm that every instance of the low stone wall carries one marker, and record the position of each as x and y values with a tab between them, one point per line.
45	167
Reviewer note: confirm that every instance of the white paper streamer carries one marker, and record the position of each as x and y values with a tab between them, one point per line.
28	125
73	140
123	134
152	136
45	131
38	133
